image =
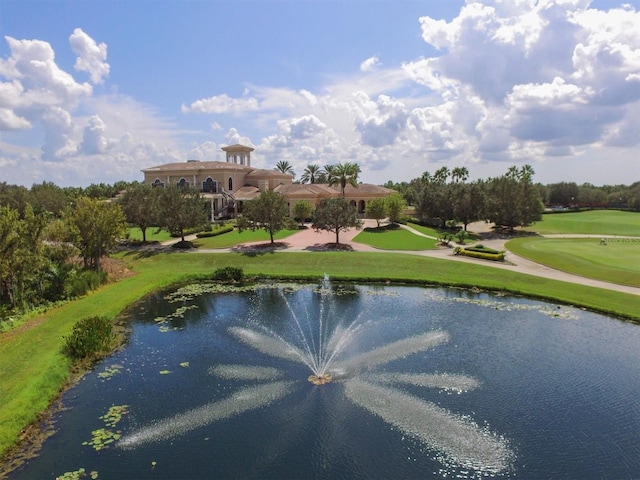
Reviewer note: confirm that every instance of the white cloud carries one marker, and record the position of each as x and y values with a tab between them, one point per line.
91	56
93	137
369	64
233	137
222	104
39	98
32	63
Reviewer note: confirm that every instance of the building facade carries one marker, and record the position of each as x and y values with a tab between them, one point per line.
228	184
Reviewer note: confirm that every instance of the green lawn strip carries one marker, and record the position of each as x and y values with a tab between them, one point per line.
386	238
136	234
592	222
432	232
32	370
616	262
231	239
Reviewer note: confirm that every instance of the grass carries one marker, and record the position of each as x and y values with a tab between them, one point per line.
33	369
392	237
592	222
230	239
136	234
616	262
434	232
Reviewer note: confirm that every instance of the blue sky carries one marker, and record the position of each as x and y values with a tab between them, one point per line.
95	91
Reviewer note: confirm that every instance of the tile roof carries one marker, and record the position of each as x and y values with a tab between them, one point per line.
198	166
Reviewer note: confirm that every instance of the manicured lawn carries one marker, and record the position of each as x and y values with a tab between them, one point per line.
434	232
32	369
390	238
230	239
593	222
616	262
136	234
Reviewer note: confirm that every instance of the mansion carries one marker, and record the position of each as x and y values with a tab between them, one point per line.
228	184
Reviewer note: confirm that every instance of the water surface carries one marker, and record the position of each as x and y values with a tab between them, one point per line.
426	383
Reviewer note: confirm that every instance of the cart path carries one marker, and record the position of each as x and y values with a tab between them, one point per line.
309	239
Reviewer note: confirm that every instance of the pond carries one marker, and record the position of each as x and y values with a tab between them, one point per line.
413	383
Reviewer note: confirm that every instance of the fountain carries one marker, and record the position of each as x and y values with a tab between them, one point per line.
323	348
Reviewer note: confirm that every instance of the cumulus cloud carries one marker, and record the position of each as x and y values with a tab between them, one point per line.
37	97
233	137
93	137
222	104
91	56
547	76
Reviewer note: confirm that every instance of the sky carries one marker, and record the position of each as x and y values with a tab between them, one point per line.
96	90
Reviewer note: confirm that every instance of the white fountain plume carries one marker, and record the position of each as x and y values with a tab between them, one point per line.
321	352
393	351
243	400
245	372
270	344
462	441
446	381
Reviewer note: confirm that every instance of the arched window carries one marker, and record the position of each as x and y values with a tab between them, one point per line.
361	206
230	184
157	183
182	183
210	185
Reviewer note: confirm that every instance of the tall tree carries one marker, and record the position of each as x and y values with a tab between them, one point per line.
343	174
335	215
181	209
433	201
139	204
513	200
269	212
469	203
313	174
95	226
459	174
395	206
10	232
284	166
48	197
563	194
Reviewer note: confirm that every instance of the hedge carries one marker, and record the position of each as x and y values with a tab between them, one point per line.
218	231
496	257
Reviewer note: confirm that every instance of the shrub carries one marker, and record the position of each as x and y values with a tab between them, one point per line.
461	236
91	337
217	231
186	245
84	281
496	256
229	274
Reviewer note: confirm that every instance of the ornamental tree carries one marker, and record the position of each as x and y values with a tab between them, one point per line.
335	215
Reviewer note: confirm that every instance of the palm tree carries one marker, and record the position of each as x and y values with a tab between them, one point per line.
285	167
313	174
344	173
459	174
327	169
